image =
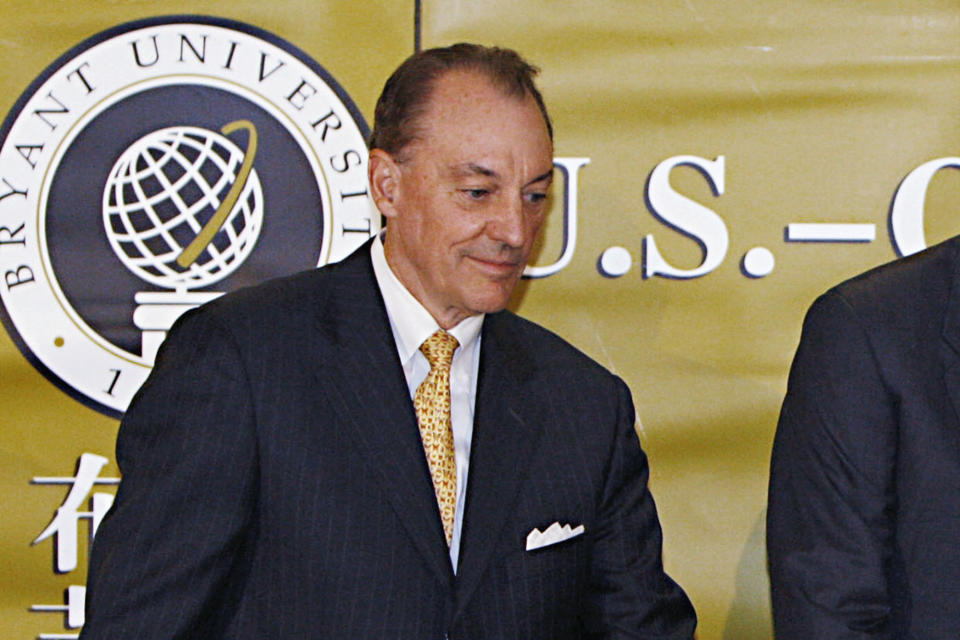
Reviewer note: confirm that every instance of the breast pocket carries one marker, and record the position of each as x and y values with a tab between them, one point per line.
562	559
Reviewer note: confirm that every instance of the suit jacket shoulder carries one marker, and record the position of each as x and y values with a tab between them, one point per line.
899	293
302	294
543	350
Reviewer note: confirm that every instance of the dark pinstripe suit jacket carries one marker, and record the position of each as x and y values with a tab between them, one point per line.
274	486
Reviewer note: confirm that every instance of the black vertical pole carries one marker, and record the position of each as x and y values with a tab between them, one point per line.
416	26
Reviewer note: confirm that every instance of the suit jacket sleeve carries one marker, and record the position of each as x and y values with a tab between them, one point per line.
164	557
829	524
631	596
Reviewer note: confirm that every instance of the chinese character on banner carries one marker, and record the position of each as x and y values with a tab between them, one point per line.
81	503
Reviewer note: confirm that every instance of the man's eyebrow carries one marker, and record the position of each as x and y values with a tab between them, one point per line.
471	168
548	175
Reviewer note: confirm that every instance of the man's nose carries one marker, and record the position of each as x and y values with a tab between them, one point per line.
507	223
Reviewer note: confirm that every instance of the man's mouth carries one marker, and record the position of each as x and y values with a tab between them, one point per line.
497	265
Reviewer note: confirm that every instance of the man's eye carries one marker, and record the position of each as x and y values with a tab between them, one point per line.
536	198
477	194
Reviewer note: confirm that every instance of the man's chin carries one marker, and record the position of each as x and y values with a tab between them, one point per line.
494	298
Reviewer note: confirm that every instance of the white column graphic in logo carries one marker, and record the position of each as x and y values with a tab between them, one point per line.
182	208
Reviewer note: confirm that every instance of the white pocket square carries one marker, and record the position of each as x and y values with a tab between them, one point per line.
551	535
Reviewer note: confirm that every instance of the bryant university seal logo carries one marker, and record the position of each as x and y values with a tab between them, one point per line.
154	167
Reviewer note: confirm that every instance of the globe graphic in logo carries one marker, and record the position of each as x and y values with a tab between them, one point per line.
183	206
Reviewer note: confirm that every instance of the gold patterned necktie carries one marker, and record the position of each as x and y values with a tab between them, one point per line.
432	402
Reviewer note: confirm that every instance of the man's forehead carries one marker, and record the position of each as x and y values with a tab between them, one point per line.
472	126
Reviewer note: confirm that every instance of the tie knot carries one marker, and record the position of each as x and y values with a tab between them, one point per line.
439	349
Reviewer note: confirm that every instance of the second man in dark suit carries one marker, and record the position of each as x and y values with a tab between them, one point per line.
863	527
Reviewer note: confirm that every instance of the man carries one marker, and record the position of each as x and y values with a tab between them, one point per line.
863	527
287	490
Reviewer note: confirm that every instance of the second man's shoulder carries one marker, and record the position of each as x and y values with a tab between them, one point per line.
896	295
927	275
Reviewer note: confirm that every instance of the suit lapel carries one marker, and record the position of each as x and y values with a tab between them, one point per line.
370	393
505	435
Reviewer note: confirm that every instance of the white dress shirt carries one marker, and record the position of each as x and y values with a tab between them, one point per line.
411	324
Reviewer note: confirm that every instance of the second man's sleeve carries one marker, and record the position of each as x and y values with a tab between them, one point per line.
829	523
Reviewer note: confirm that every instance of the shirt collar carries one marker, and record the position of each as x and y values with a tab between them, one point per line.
410	322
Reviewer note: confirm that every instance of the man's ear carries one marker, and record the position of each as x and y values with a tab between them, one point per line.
384	175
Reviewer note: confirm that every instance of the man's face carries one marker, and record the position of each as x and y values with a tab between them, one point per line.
466	198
